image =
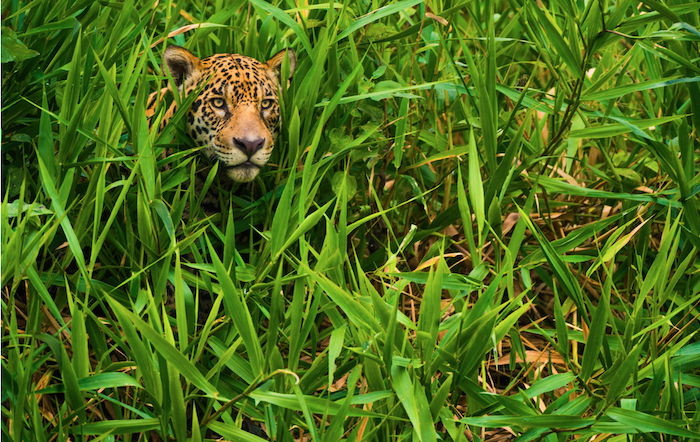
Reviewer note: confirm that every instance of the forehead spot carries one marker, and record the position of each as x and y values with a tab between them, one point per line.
237	75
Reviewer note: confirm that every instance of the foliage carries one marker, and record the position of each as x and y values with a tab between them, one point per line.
481	221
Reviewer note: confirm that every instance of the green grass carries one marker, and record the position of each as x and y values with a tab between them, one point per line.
481	220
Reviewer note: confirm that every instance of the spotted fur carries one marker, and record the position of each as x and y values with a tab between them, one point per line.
236	114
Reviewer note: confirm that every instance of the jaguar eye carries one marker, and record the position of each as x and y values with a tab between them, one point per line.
267	103
218	103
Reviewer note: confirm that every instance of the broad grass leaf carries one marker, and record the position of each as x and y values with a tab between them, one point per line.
476	188
311	425
560	325
66	23
283	215
287	20
359	315
13	49
232	432
41	290
555	185
448	281
335	346
58	206
336	429
555	40
439	399
624	374
73	395
561	270
110	85
238	309
309	221
118	426
596	335
376	15
412	397
386	93
646	423
620	91
167	350
314	404
544	421
445	155
550	383
176	404
96	382
616	243
466	217
611	130
400	132
429	316
79	339
45	147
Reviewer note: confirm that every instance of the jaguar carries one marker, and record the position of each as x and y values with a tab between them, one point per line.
236	112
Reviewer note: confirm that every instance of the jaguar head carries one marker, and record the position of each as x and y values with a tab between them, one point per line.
236	113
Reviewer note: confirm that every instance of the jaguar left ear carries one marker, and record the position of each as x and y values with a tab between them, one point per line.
181	63
275	63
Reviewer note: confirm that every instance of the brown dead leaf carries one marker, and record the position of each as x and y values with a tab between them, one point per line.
644	189
437	18
434	260
186	15
568	178
184	29
533	357
340	384
43	382
510	221
450	231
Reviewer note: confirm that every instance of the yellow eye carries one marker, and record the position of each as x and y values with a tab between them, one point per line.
267	103
218	102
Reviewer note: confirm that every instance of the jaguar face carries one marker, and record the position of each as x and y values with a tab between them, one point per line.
236	114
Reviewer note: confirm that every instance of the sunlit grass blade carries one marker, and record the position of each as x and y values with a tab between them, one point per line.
236	306
167	350
646	423
376	15
413	399
596	335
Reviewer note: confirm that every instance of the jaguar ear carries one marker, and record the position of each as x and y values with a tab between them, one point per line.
181	63
275	63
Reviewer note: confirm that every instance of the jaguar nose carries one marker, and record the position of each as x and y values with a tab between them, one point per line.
249	146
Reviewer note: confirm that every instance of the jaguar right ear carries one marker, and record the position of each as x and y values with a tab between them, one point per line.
181	63
275	63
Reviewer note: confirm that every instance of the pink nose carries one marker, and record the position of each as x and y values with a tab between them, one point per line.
249	146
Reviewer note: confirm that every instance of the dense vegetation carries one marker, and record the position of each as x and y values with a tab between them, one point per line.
481	222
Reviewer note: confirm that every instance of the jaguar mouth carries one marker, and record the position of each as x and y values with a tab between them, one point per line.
244	165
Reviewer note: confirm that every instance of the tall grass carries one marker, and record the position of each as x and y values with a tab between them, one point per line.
481	222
